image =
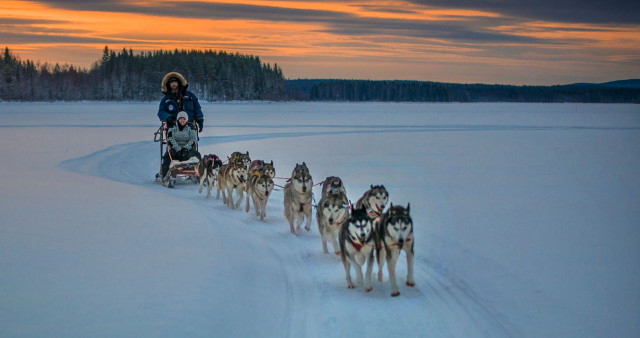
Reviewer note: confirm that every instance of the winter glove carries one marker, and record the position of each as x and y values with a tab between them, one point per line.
171	121
200	123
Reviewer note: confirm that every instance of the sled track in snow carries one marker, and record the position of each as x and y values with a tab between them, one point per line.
434	302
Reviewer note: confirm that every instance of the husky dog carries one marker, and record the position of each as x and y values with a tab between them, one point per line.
331	214
332	211
232	177
240	158
262	166
374	200
357	241
207	170
259	188
297	197
394	235
333	185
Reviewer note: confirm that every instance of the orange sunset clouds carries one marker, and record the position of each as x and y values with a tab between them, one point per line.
512	42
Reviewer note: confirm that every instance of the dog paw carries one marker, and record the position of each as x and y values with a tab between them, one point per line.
351	286
337	252
411	283
308	228
368	289
395	294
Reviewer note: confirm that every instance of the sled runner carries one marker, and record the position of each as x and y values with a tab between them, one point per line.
185	170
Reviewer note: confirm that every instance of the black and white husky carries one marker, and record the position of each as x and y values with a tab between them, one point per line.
357	242
207	170
259	188
394	234
332	211
297	197
374	201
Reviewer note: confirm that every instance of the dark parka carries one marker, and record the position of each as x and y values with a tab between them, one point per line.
171	104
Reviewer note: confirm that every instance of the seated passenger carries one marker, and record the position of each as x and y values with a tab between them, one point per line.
182	143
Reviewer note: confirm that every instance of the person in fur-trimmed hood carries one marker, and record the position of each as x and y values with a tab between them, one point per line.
176	99
182	142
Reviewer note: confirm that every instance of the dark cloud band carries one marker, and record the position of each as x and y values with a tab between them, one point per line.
565	11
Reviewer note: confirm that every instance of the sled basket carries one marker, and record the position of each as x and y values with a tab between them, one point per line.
185	170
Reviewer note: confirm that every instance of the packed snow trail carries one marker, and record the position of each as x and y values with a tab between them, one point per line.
316	299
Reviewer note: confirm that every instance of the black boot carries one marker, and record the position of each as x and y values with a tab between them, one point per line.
165	167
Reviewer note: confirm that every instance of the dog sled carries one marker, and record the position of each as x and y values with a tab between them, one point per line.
183	170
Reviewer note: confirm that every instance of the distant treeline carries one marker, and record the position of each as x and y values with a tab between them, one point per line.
125	76
418	91
221	76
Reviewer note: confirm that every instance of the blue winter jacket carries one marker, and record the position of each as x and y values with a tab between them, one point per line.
169	107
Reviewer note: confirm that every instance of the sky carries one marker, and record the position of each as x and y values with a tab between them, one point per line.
463	41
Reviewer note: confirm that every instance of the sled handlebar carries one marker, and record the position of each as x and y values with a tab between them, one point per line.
158	136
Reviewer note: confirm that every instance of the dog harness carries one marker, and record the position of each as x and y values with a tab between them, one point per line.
357	245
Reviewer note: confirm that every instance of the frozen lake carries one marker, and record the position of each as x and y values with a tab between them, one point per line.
526	221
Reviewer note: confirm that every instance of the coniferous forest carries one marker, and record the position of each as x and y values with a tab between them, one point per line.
422	91
125	76
221	76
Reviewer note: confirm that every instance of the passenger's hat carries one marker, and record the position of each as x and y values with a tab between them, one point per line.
181	115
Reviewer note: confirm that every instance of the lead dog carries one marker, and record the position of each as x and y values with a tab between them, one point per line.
208	170
232	177
357	243
332	211
395	234
259	188
297	197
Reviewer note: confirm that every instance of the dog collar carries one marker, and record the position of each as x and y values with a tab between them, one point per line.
342	220
372	213
356	244
396	243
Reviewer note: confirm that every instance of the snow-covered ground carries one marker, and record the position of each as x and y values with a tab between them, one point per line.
527	222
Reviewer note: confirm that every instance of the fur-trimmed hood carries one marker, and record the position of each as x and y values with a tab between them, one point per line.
165	82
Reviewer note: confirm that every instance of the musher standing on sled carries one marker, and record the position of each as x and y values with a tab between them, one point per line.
176	99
